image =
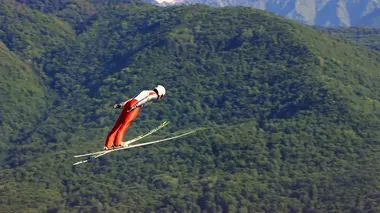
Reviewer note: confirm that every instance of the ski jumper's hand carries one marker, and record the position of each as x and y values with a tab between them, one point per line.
119	105
132	108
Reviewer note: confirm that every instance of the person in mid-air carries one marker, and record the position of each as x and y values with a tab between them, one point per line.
131	109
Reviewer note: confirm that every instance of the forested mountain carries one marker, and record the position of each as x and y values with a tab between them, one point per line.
329	13
369	37
291	114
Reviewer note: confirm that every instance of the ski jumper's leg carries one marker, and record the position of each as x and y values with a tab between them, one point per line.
112	134
128	119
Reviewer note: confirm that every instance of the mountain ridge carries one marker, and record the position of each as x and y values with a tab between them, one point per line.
329	13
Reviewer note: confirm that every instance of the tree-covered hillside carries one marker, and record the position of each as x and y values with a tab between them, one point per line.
291	115
369	37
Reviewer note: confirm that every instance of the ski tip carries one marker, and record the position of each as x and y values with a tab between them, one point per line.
164	123
200	129
77	163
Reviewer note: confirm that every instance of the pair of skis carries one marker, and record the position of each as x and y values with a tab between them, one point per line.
127	144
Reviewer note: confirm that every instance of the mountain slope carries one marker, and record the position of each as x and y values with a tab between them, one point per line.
25	34
291	122
74	12
362	36
26	101
28	32
22	97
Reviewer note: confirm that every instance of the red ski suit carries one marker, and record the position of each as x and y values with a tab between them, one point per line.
115	136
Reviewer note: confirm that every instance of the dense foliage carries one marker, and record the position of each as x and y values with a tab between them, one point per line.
369	37
291	115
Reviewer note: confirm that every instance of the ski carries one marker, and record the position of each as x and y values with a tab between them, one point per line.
126	143
134	146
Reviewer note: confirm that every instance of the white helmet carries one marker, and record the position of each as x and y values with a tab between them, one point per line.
160	91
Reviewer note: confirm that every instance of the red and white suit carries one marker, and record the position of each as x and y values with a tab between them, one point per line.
131	109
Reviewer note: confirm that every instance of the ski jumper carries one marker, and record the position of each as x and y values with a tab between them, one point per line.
131	109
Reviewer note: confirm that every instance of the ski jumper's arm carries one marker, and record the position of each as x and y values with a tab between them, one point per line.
145	97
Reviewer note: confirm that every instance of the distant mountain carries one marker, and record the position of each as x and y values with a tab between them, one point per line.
312	12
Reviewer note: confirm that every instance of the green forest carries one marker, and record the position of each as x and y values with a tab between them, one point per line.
368	37
290	113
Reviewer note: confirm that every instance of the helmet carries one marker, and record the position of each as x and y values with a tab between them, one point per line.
160	90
